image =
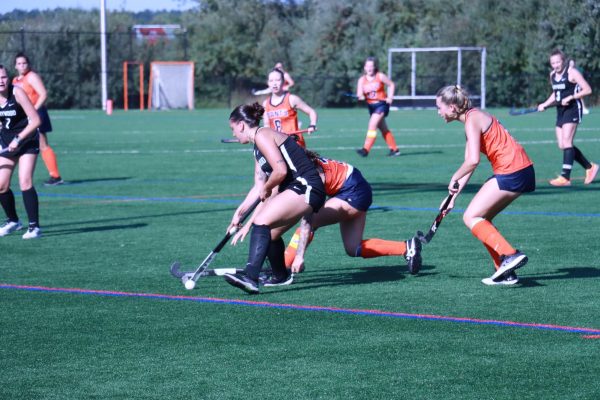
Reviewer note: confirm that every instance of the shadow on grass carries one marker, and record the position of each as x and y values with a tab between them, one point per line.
350	276
76	231
143	217
560	274
84	181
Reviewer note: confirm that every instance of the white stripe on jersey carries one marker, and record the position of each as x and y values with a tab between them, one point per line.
287	158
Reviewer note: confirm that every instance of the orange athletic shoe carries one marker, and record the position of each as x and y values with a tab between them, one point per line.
590	174
560	181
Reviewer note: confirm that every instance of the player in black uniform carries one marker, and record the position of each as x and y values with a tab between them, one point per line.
19	142
568	87
289	186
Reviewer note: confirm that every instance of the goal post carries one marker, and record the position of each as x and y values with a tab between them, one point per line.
171	85
420	71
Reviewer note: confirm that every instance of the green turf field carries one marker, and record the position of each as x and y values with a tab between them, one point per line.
90	311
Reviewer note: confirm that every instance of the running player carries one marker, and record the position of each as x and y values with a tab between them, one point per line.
568	88
513	175
281	106
33	86
288	82
371	86
350	196
288	184
19	142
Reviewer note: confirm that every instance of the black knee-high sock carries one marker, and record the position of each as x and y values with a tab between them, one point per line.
580	158
260	239
7	199
277	258
30	199
568	157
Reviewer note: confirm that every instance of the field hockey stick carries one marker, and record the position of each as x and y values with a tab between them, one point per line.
227	140
350	94
438	220
4	150
184	276
211	256
523	111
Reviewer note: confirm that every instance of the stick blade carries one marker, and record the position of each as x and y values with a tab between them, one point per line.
176	270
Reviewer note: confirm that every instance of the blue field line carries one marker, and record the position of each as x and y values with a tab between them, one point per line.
374	207
312	308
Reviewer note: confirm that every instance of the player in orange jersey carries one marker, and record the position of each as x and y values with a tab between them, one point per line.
281	106
349	198
568	89
32	84
371	87
513	175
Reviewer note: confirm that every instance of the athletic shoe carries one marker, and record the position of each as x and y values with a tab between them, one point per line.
510	279
242	281
510	263
394	153
560	181
590	174
413	255
362	152
33	233
9	227
54	181
273	281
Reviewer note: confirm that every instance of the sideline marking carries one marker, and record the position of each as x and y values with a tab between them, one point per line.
591	333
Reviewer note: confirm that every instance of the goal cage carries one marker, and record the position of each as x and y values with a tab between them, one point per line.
171	85
419	72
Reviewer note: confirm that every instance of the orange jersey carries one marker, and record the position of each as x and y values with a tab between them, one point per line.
282	117
336	173
503	151
23	83
373	90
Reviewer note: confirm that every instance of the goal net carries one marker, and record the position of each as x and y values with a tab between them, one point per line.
171	85
420	72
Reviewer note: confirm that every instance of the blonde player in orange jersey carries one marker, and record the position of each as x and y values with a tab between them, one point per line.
513	175
280	108
371	87
33	86
349	198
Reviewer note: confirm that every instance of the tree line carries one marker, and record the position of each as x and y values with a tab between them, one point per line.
323	44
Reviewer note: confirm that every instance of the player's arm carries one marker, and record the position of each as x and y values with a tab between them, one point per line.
33	119
584	87
266	121
551	99
473	129
265	141
287	79
305	229
360	94
391	87
36	83
299	104
259	179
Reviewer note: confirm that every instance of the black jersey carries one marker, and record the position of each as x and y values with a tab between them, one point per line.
13	119
564	88
298	164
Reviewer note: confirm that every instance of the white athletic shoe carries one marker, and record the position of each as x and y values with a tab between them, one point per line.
511	279
33	233
9	227
510	263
